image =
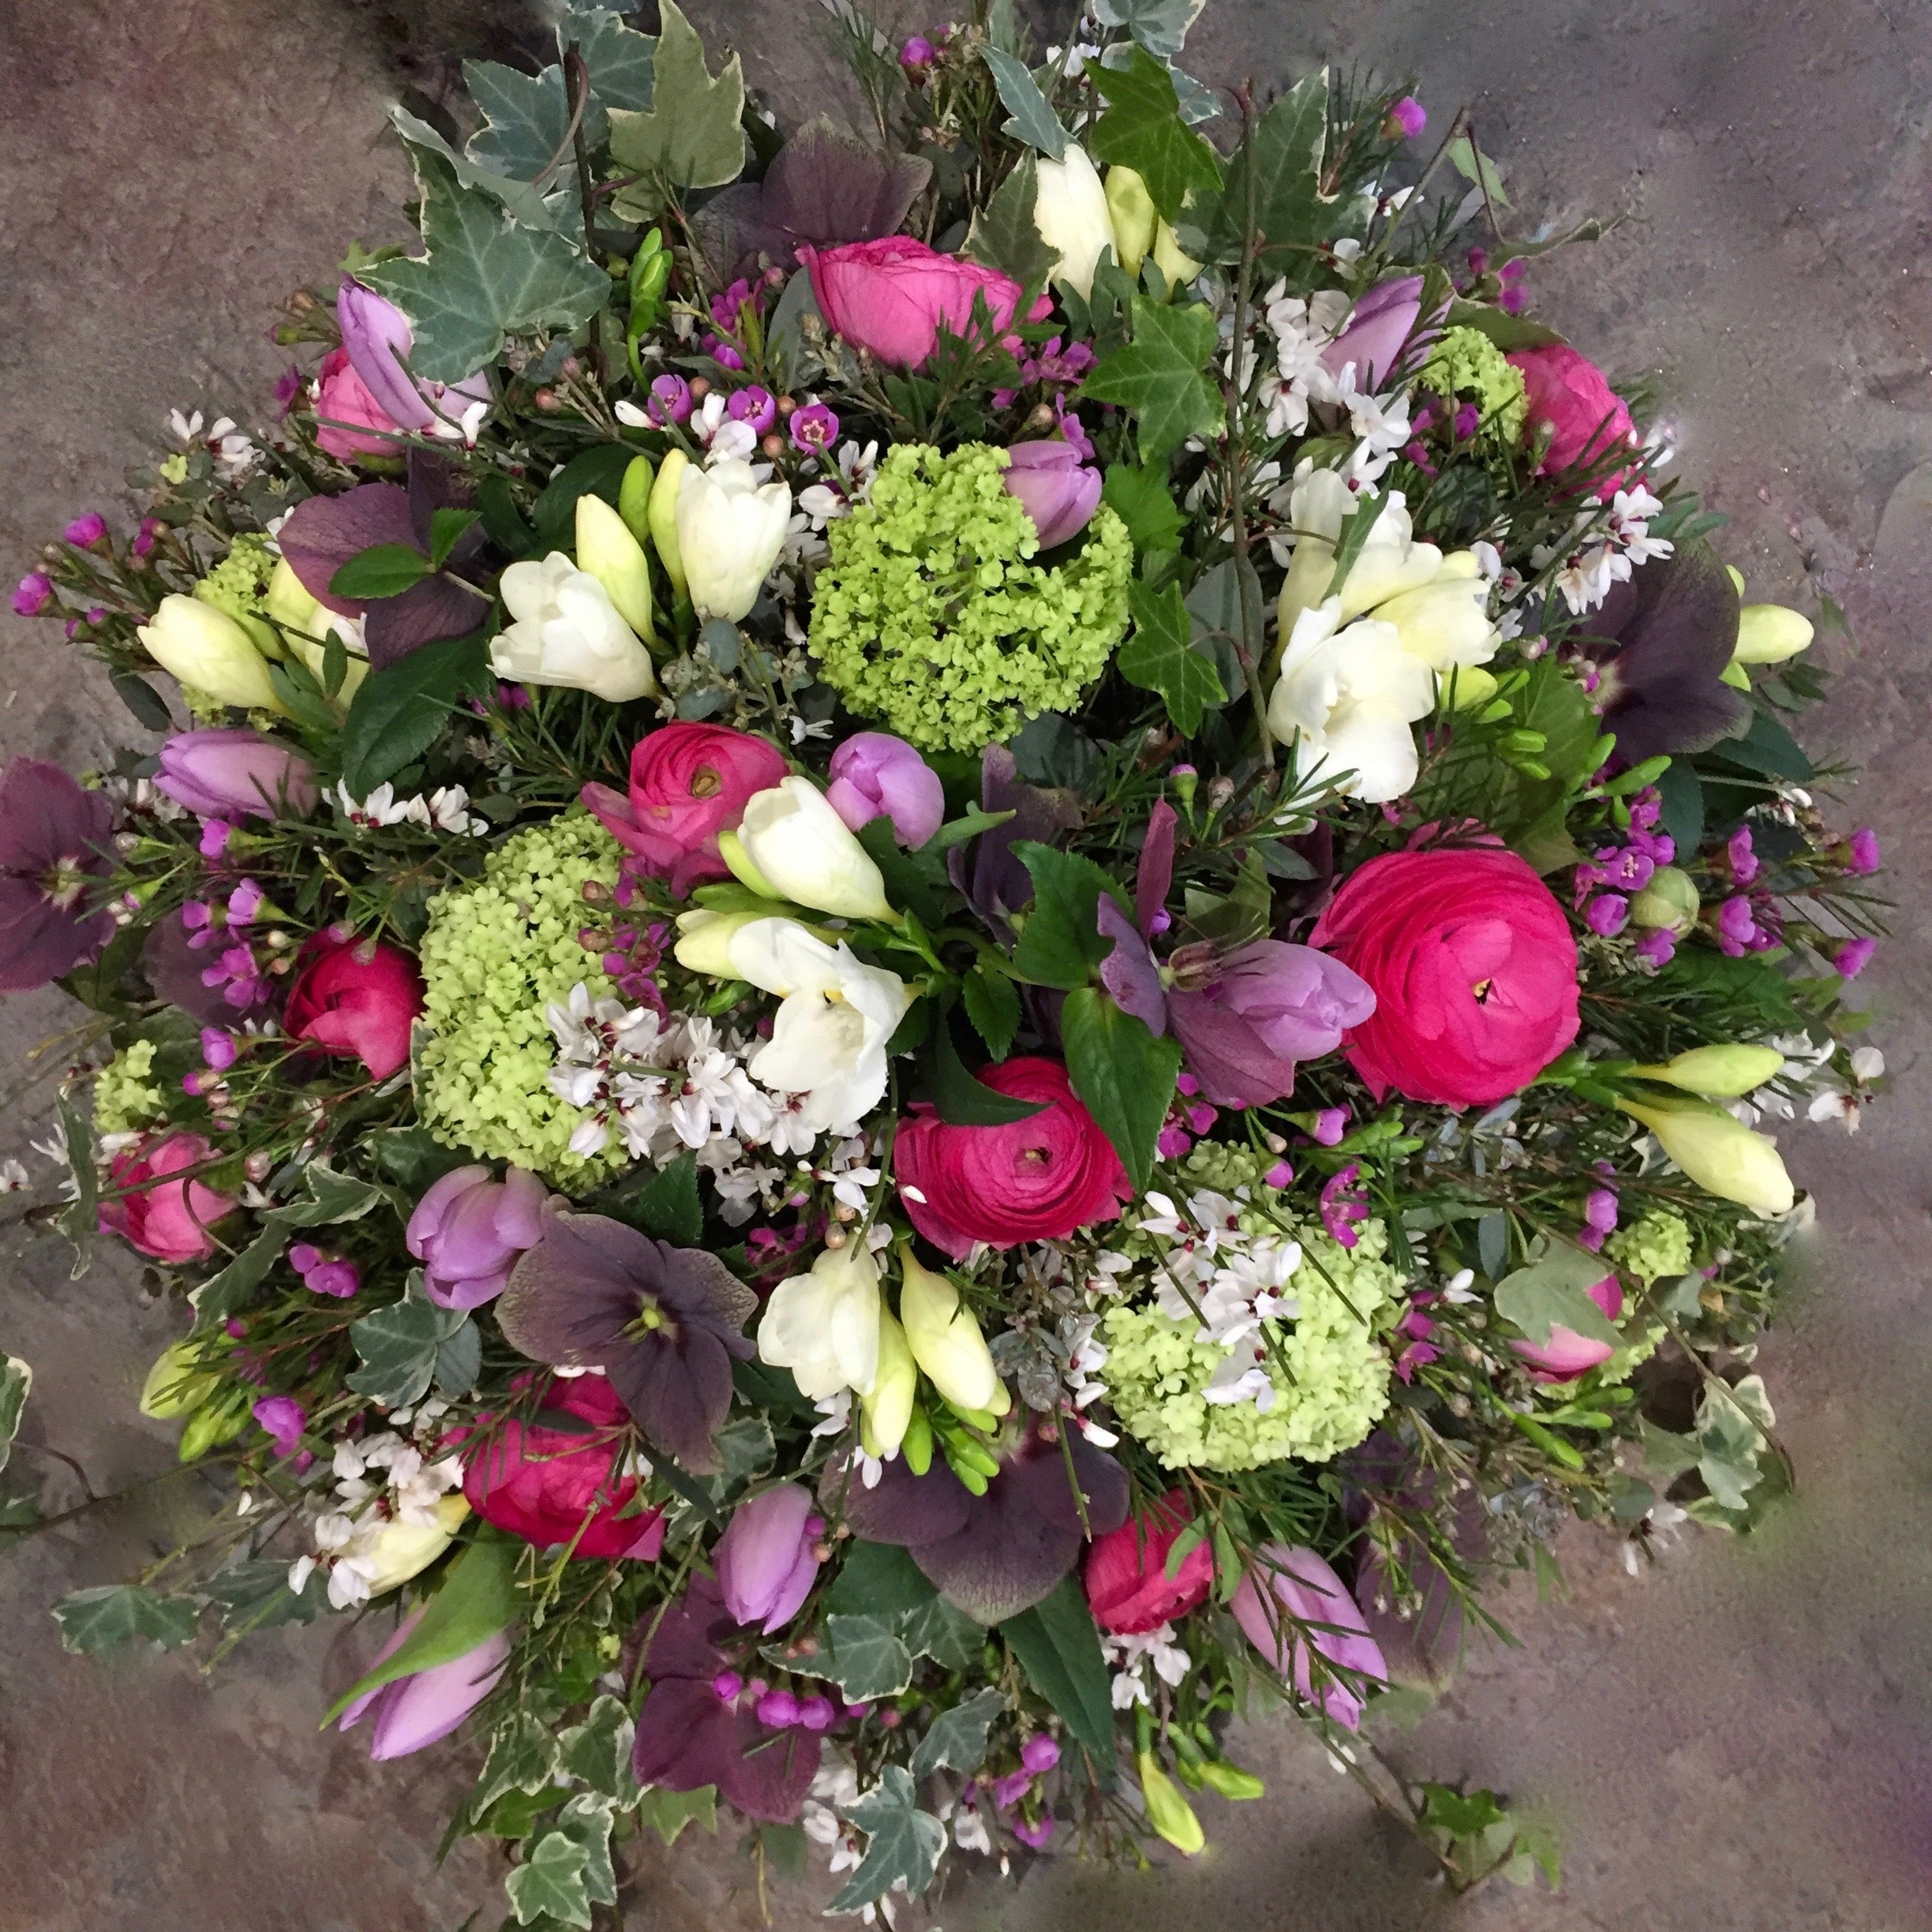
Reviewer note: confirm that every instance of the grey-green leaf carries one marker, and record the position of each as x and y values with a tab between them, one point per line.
868	1658
1161	26
1033	121
94	1620
692	137
550	1884
522	1757
903	1845
1552	1289
957	1739
399	1347
1003	235
527	118
525	202
16	1380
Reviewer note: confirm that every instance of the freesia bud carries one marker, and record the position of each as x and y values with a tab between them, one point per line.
206	649
606	548
730	530
797	841
634	496
661	511
1229	1780
1134	217
767	1559
945	1340
824	1325
176	1383
401	1550
1769	633
1168	1812
1718	1152
1670	903
1070	210
1718	1073
704	940
567	631
1176	268
288	602
262	634
886	1408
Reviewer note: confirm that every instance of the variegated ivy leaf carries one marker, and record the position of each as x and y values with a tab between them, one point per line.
16	1380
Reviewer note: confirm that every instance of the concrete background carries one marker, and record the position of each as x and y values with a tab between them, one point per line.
1741	1737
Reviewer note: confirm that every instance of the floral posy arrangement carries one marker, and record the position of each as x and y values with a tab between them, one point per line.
953	945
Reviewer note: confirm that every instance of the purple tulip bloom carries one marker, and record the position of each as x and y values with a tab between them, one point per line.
1292	1608
54	837
413	1712
874	772
227	774
378	338
665	1324
1058	491
283	1417
700	1724
1379	328
767	1559
469	1229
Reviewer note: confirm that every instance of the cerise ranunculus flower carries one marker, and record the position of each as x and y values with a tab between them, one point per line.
1473	968
1128	1586
1571	400
1037	1179
355	997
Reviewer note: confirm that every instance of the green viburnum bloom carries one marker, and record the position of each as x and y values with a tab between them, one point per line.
124	1097
239	583
1465	362
1655	1248
496	954
933	618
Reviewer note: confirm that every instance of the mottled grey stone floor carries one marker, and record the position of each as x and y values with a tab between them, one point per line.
1741	1738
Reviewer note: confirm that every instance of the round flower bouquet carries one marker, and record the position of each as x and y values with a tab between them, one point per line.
952	947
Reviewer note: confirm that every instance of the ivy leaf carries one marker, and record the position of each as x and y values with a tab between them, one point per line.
332	1197
1142	129
992	1004
458	1362
1060	942
94	1620
525	202
868	1658
254	1594
1158	375
944	1632
1059	1649
398	712
1003	234
400	1347
522	1757
620	59
662	1202
526	118
957	1739
1161	26
16	1380
1125	1075
586	1820
1141	499
692	136
221	1294
878	1579
668	1812
902	1844
484	279
1160	657
1033	121
1553	1288
550	1884
1277	175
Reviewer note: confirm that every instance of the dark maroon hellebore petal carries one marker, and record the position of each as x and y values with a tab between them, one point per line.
55	837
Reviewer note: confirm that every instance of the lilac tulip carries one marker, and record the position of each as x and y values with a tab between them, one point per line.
469	1229
1059	492
768	1556
1379	327
226	774
55	838
378	338
874	772
423	1707
1291	1587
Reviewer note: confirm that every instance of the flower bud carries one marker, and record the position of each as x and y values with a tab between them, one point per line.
1670	903
1168	1812
1718	1153
730	530
1135	218
610	554
1718	1073
261	633
768	1557
662	513
1071	211
887	1407
1176	268
945	1340
704	940
176	1383
634	496
797	842
401	1550
207	649
1229	1780
1769	633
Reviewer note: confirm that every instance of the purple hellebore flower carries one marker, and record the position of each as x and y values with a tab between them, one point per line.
1853	957
413	1712
1607	914
1056	490
1293	1607
767	1559
469	1228
1407	118
665	1324
283	1417
872	772
229	774
669	400
32	594
700	1724
85	531
1863	860
755	406
814	428
1379	327
378	337
997	1554
55	837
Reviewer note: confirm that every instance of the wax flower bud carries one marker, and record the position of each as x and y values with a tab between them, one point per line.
1669	903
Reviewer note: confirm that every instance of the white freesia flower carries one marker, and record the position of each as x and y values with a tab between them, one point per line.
730	530
1070	210
1351	695
567	631
799	846
824	1327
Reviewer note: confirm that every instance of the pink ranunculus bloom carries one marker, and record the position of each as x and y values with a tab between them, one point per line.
874	773
343	397
1297	1582
1056	489
422	1709
688	783
1587	420
469	1228
231	774
1128	1586
355	997
769	1556
890	296
1567	1354
1378	326
166	1219
1473	967
1037	1179
555	1487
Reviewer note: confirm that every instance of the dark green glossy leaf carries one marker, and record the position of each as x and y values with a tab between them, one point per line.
1142	129
1059	1649
1125	1075
399	712
1159	656
1158	375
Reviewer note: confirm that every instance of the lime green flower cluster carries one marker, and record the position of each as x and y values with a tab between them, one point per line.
1335	1387
124	1096
1656	1248
239	583
932	618
1465	362
496	953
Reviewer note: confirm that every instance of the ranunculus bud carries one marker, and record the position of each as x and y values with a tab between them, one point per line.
228	774
207	649
166	1218
945	1340
873	773
1718	1152
765	1561
1566	1355
1128	1586
1669	903
824	1325
469	1228
801	847
1134	216
1769	633
1717	1073
1058	491
567	631
347	410
730	530
886	1408
606	549
1070	210
414	1712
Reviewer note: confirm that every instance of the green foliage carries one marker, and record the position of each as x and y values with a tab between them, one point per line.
957	1740
867	1658
691	137
1274	184
1124	1074
1003	234
1142	129
103	1619
1059	1649
903	1843
1061	942
1144	504
1033	121
403	1346
16	1382
398	712
549	1883
1159	376
1160	26
1159	656
1553	1288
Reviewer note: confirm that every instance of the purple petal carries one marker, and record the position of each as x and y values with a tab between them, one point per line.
1155	873
420	1710
1225	1053
425	613
324	533
1128	972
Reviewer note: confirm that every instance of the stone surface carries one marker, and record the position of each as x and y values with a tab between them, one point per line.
1737	1738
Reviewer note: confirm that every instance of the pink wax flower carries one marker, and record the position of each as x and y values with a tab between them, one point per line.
85	532
33	594
1853	957
1406	120
814	428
